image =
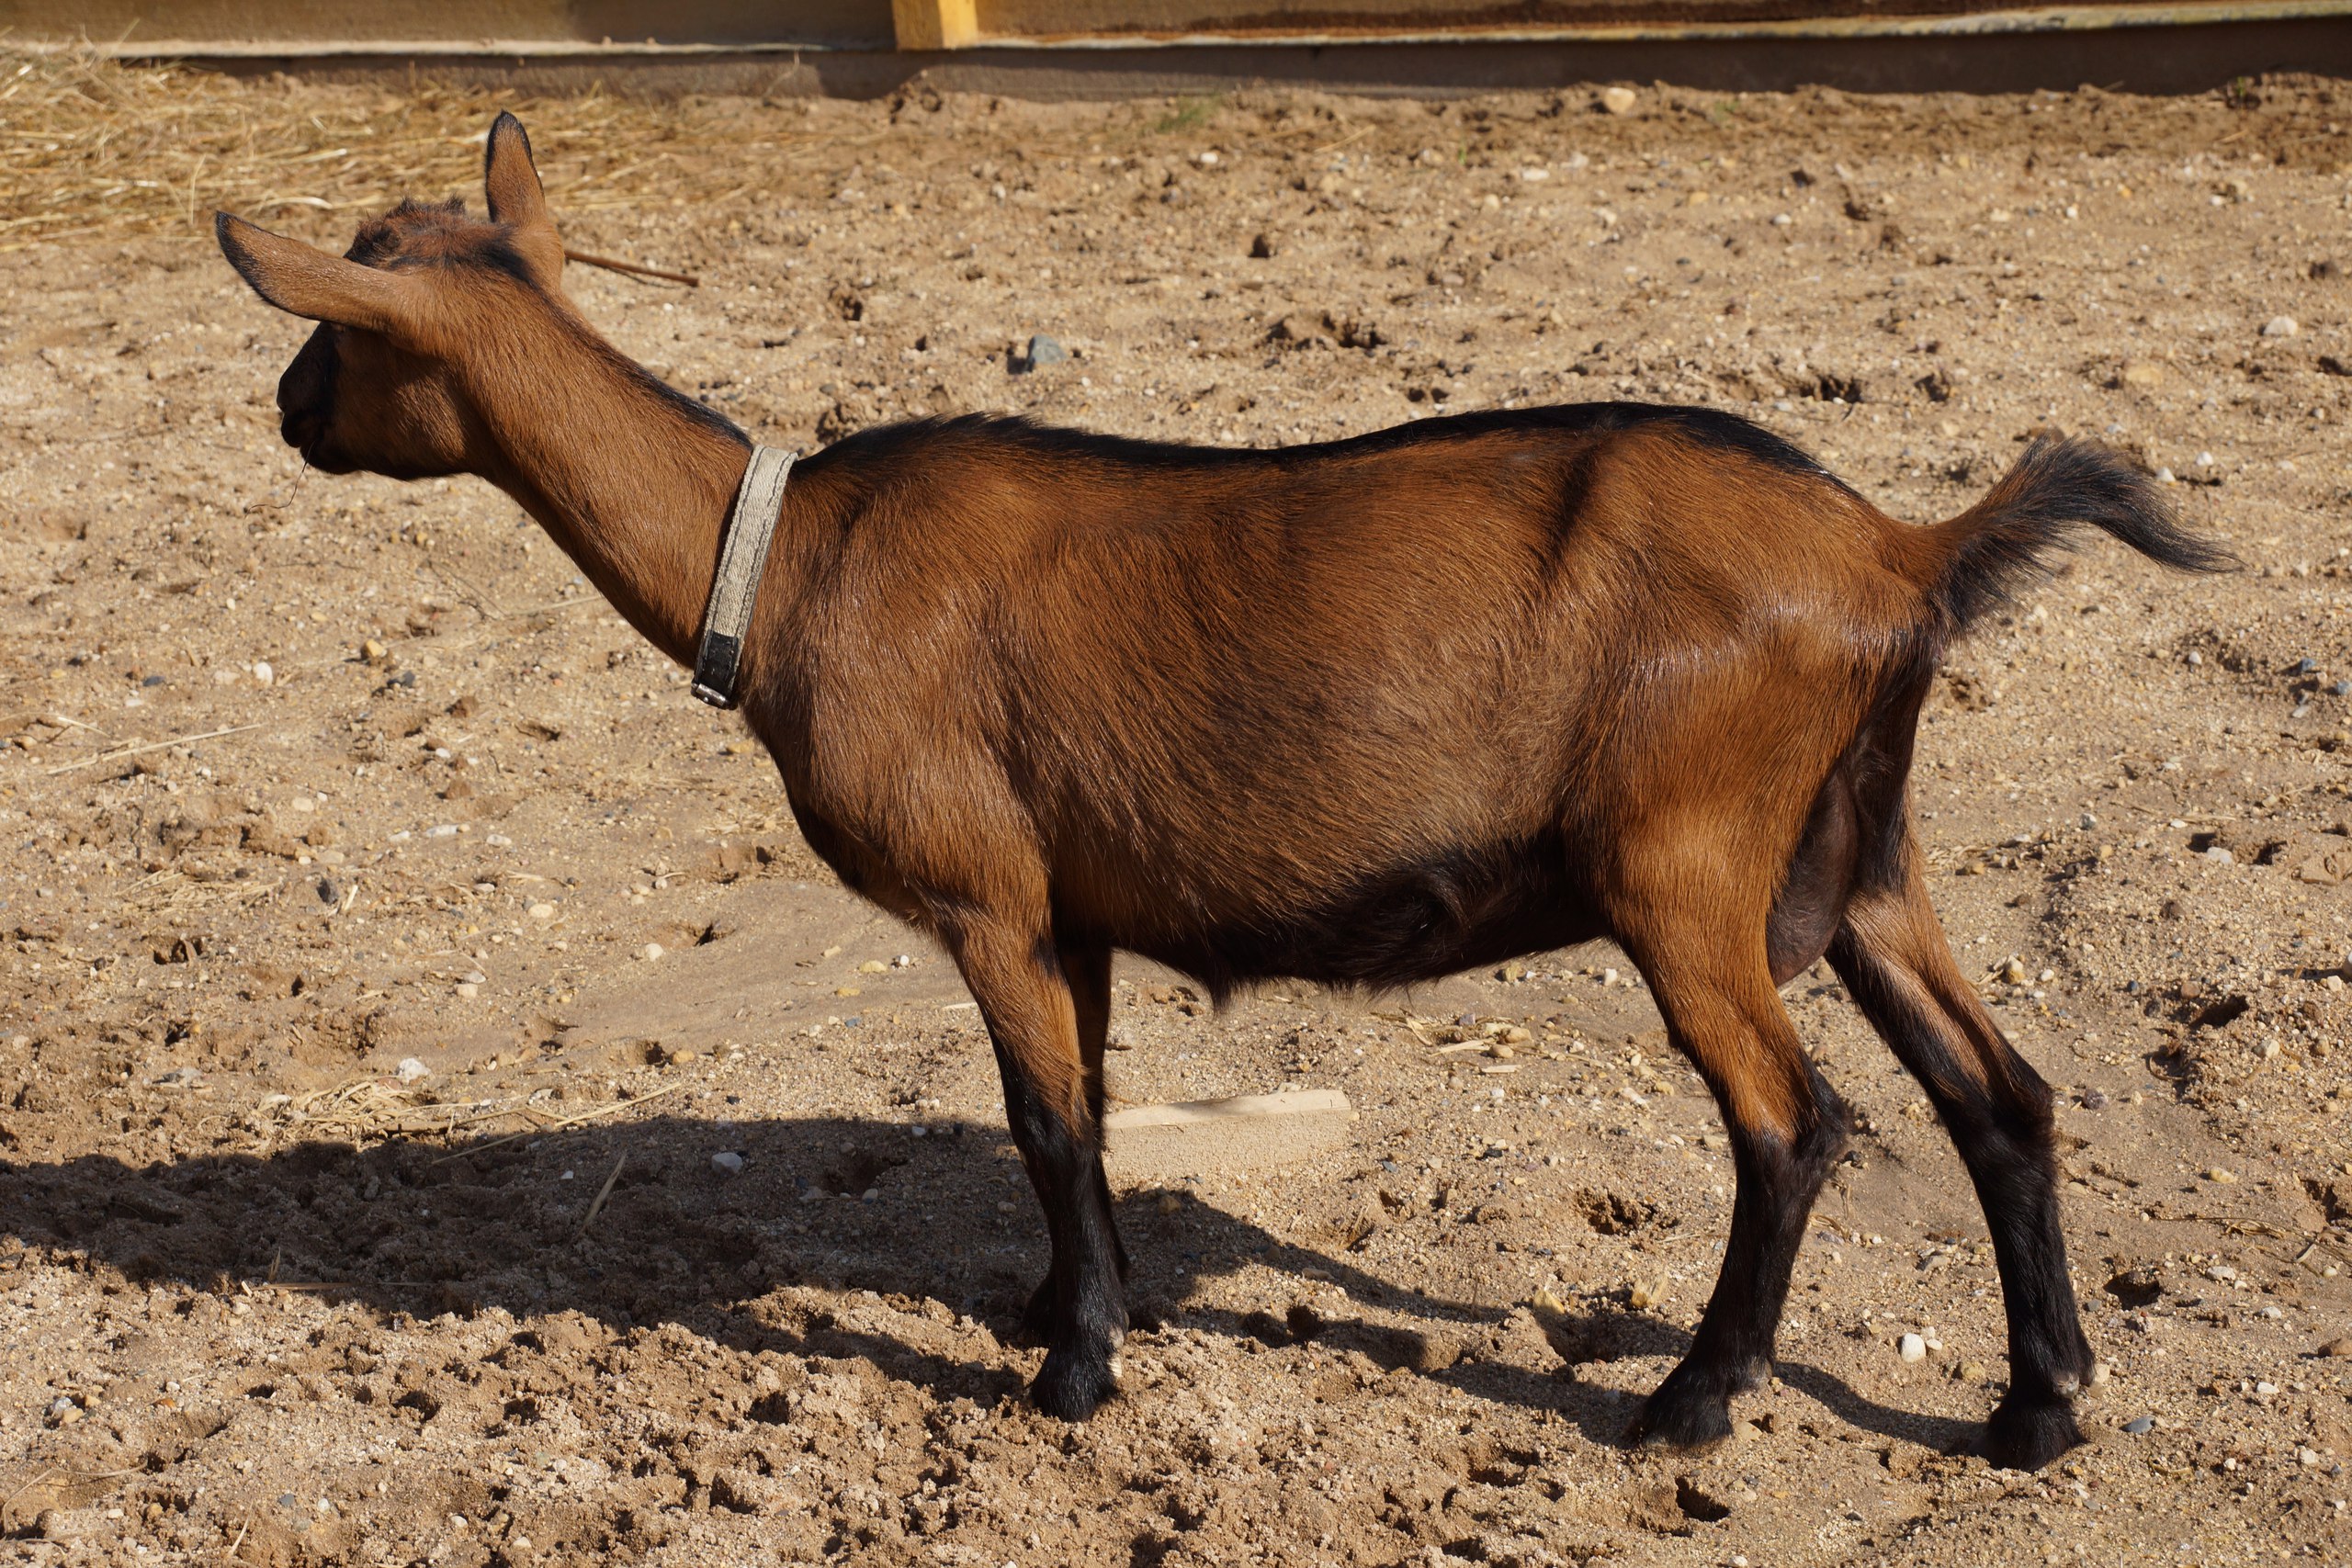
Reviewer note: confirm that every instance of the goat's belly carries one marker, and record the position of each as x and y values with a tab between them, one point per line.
1397	926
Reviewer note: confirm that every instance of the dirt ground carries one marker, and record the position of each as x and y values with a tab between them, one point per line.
392	944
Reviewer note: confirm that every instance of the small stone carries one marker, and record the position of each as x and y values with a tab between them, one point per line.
373	651
1911	1348
2280	326
2102	1375
2139	1426
2337	1350
542	911
1973	1371
2222	1175
653	950
1262	247
2220	856
2265	1390
1618	100
263	674
468	990
411	1069
681	1055
180	1077
873	966
2142	373
1647	1293
726	1162
2086	823
64	1413
2013	972
1043	351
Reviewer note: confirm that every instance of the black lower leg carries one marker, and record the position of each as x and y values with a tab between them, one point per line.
1079	1311
1732	1350
1997	1110
2015	1171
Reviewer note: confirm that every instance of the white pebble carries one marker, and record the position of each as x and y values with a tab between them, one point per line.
468	990
263	674
543	911
1618	100
1911	1348
411	1069
726	1162
2280	326
652	951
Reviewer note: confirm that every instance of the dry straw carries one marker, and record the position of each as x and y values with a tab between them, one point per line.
91	146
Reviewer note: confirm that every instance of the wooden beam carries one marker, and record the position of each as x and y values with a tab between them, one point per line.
935	24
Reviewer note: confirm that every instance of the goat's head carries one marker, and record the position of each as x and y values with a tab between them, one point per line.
381	384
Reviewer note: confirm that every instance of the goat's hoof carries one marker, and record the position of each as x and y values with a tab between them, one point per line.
1037	1318
1685	1413
2027	1434
1073	1383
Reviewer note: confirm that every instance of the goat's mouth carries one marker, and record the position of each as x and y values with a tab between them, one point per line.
306	436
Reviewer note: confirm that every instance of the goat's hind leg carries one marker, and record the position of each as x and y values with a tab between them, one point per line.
1708	974
1892	955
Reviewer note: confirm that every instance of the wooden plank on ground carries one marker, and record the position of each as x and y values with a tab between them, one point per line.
1208	1138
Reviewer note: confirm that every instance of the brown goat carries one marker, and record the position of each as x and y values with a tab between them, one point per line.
1365	713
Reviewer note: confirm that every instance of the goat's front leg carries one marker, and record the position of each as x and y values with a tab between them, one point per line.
1087	970
1053	1102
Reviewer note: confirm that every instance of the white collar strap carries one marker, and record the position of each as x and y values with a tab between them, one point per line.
758	502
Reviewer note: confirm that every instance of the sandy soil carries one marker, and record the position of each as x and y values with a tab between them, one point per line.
308	778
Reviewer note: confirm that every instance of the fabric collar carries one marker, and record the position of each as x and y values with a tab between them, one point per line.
759	501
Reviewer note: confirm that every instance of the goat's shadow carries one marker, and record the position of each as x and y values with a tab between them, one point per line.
422	1229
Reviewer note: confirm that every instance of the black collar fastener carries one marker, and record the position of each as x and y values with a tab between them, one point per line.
759	501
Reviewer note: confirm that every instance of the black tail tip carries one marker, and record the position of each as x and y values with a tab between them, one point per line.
2094	483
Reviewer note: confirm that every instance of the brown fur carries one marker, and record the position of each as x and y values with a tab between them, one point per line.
1367	713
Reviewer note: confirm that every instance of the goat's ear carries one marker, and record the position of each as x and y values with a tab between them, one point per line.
304	281
510	183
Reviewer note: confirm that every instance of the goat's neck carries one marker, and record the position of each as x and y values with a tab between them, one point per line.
633	489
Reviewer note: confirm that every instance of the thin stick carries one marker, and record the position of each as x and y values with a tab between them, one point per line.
567	1121
20	1491
150	746
604	1192
609	264
231	1555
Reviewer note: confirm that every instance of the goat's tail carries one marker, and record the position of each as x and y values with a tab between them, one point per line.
1993	550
